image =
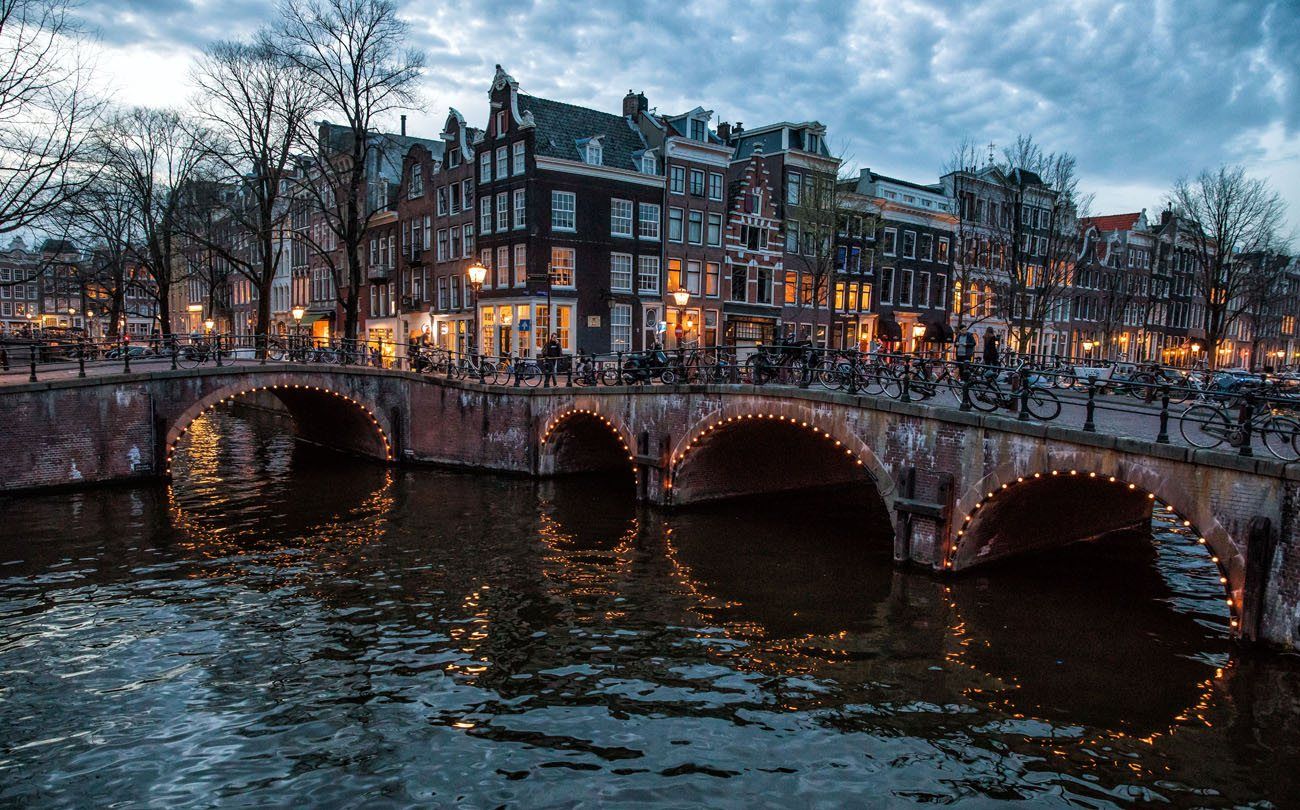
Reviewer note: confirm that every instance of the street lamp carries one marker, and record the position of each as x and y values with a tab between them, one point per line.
208	324
297	313
477	273
1087	347
681	297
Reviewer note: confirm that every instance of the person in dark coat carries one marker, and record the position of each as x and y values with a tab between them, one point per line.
991	355
551	354
965	351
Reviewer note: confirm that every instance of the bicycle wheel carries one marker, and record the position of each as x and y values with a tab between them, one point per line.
890	384
831	376
1043	404
1279	434
530	376
1204	426
985	395
188	358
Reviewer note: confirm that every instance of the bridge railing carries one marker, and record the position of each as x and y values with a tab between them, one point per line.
1241	412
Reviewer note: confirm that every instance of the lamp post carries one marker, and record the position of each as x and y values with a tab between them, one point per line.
297	313
1087	349
681	298
918	332
476	273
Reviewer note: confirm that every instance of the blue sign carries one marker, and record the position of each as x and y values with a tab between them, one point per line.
525	325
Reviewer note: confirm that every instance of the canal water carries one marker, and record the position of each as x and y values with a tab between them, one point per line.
285	626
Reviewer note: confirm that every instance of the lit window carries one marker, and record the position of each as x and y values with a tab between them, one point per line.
562	266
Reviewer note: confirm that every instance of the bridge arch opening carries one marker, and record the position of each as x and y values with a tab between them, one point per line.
584	440
764	452
1058	507
321	415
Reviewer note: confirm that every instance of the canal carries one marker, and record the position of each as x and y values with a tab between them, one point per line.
286	626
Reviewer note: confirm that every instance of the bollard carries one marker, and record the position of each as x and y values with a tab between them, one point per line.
1163	436
965	371
126	356
1247	416
515	365
1088	422
32	377
1024	395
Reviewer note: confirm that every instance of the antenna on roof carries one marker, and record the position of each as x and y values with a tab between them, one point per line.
991	146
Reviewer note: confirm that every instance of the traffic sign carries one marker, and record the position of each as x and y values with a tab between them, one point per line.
525	325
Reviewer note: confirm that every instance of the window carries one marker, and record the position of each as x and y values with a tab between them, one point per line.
793	182
648	164
927	247
620	327
792	237
1026	216
485	259
697	183
442	202
677	180
712	271
675	224
453	244
715	230
715	186
416	188
503	212
940	298
520	210
764	285
905	287
923	289
562	266
890	242
455	198
469	241
739	281
485	215
710	327
943	250
693	277
502	121
909	244
594	154
620	217
698	131
649	221
563	210
620	272
503	266
442	245
503	162
695	228
886	285
521	265
466	194
674	275
485	167
442	292
647	274
517	164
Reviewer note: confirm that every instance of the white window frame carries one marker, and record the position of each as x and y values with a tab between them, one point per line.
620	217
572	266
564	208
503	212
485	214
647	274
648	221
520	207
518	160
485	167
620	327
620	272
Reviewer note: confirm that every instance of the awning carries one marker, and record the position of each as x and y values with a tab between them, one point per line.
937	330
888	329
311	317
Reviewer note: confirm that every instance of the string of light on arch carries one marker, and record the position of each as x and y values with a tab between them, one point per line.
374	420
951	548
555	421
678	458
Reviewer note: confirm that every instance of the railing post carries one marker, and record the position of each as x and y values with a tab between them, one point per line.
514	366
964	371
1024	395
568	371
1089	423
81	360
126	357
853	374
1246	417
262	347
1163	436
216	342
32	377
906	393
175	350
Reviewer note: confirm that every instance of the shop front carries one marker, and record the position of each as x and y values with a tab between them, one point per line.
519	327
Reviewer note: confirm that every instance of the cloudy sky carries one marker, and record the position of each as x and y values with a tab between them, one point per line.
1140	92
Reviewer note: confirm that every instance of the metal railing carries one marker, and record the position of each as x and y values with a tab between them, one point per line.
1247	413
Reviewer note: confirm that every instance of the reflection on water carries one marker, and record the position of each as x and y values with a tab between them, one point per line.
288	626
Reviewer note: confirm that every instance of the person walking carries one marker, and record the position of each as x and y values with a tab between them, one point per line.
991	355
551	354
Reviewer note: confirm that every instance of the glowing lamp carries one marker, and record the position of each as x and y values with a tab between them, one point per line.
477	273
682	297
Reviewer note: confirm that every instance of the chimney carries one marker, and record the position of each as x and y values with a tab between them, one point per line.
403	126
724	131
634	104
739	128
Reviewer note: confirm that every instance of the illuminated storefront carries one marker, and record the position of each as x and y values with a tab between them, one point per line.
521	327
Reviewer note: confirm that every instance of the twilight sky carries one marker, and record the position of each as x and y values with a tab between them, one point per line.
1141	92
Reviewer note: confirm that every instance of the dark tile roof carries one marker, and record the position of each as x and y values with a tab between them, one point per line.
561	126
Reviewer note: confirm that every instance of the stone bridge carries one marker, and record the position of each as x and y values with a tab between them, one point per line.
959	489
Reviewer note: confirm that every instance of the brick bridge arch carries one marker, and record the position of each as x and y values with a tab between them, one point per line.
320	412
1009	512
734	417
581	437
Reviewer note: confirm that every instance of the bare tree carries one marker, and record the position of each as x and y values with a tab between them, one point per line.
255	102
102	218
960	170
1263	298
1229	214
151	155
46	109
353	54
823	214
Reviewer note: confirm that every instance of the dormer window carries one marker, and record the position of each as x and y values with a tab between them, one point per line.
453	157
648	163
415	188
814	143
698	130
593	153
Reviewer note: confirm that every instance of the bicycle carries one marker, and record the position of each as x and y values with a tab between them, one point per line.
1208	426
986	395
